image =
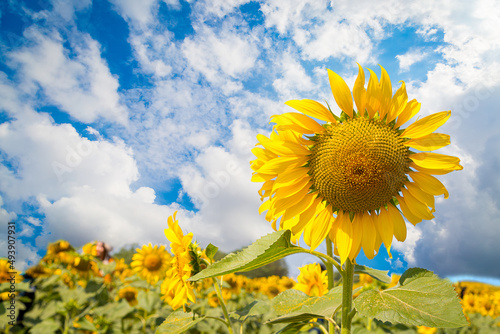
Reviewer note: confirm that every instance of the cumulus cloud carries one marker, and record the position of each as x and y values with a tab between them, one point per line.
81	85
409	58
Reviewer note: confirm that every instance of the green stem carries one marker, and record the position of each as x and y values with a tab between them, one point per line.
329	265
328	259
348	278
223	305
329	270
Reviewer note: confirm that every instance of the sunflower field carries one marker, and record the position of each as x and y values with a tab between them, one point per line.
73	291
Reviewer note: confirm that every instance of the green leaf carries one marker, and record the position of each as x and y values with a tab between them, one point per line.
376	274
210	251
45	327
294	306
255	308
267	249
147	300
420	299
178	322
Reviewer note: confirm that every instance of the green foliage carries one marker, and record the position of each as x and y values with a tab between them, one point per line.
296	306
421	298
267	249
178	322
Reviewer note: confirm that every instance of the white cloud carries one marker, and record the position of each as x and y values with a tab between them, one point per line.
411	57
81	85
139	13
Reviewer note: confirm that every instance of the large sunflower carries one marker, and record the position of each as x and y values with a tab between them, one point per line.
356	176
151	262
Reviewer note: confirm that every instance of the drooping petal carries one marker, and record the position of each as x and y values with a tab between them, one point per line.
322	226
407	212
398	223
418	208
357	236
313	109
341	93
343	237
426	125
420	195
385	227
431	142
429	184
369	235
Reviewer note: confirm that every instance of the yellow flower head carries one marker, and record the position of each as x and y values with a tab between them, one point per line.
346	176
90	248
129	294
151	262
6	271
312	280
84	266
182	265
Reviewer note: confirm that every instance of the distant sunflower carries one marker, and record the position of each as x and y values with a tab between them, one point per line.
312	280
151	262
128	293
346	177
84	266
184	251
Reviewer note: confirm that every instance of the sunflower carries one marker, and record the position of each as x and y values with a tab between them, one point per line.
7	271
129	294
84	266
176	283
312	280
151	262
356	176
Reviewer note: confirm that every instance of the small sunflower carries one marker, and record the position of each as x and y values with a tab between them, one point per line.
347	176
312	280
84	266
187	257
151	262
129	294
6	271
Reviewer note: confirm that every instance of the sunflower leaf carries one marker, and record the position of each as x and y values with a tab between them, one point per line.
267	249
379	275
294	306
178	322
211	250
421	299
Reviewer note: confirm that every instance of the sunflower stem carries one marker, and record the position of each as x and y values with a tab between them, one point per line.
223	305
348	278
329	270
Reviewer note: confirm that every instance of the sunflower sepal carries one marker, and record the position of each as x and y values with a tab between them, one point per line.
421	298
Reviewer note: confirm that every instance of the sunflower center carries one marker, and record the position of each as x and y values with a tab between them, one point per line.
129	296
152	262
359	165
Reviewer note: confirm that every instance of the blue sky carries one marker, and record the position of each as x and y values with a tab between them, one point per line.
115	114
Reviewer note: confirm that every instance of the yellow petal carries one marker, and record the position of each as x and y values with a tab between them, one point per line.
421	195
430	142
429	184
369	235
426	125
307	215
264	206
313	109
416	207
412	218
430	170
436	161
357	236
385	93
410	110
373	95
291	190
385	227
341	93
280	164
322	226
302	206
285	203
398	222
343	237
283	148
302	121
359	91
398	103
289	176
